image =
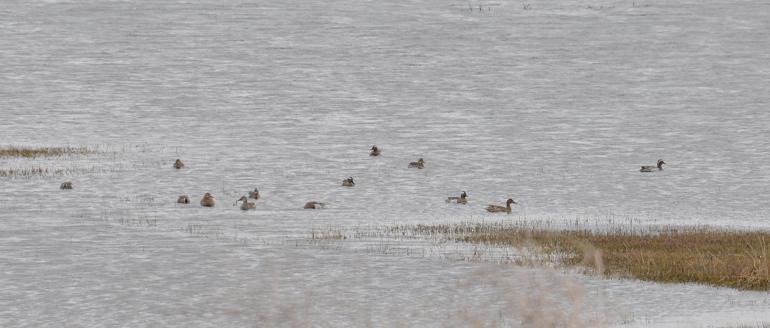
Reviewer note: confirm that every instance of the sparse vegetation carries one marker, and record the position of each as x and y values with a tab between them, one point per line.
736	259
327	235
31	152
30	172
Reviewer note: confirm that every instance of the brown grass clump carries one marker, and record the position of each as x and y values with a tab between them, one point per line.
31	152
736	259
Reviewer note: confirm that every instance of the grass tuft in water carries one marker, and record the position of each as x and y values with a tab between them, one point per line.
32	152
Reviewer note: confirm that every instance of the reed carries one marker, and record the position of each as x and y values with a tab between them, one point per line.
718	257
32	152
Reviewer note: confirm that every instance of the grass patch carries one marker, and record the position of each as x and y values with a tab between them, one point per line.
32	152
31	172
719	257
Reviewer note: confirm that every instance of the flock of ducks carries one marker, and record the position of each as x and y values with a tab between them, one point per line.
208	199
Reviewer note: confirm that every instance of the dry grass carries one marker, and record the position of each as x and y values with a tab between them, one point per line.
32	152
736	259
30	172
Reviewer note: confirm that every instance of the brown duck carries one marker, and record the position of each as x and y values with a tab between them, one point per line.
418	164
375	151
254	194
498	208
207	200
246	205
314	205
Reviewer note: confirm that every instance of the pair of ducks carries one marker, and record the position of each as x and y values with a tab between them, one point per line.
246	204
651	168
463	199
420	163
206	201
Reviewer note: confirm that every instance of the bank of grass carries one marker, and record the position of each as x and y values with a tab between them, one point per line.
719	257
32	152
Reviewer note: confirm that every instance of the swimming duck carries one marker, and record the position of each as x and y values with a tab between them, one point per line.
418	164
66	185
460	200
254	194
498	208
178	164
650	168
314	205
348	182
183	199
246	205
375	151
207	200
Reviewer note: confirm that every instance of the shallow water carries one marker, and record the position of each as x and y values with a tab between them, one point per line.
556	107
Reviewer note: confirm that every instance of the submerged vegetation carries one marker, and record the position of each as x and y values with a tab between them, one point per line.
736	259
31	152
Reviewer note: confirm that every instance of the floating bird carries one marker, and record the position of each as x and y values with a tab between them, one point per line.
207	200
418	164
348	182
375	151
463	199
314	205
183	199
246	205
178	164
498	208
66	185
650	168
254	194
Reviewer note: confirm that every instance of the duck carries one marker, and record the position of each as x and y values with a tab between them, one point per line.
375	151
418	164
178	164
183	199
463	199
348	182
498	208
314	205
650	168
207	200
254	194
246	205
66	185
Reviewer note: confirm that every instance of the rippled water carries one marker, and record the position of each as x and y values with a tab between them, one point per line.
556	106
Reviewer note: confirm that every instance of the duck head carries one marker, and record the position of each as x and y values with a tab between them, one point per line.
510	201
463	195
660	163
